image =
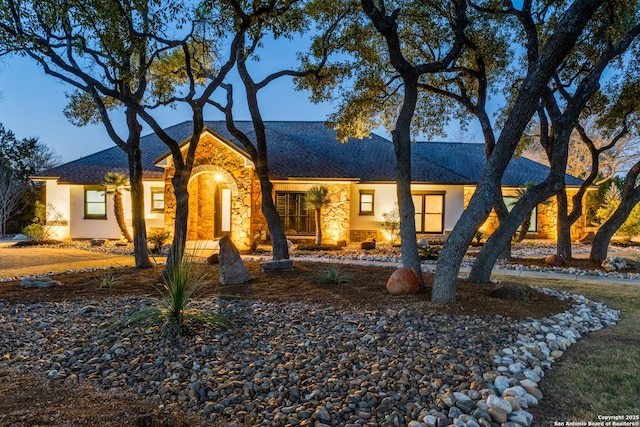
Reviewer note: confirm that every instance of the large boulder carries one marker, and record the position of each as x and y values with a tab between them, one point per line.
403	281
232	268
614	263
368	245
98	242
554	260
38	283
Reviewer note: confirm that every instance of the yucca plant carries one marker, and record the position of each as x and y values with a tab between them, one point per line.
179	286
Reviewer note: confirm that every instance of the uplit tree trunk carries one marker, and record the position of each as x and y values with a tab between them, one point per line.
179	182
541	68
565	222
629	199
279	245
563	245
280	248
502	212
134	156
481	271
401	137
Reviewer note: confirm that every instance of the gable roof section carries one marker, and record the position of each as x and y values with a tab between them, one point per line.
309	150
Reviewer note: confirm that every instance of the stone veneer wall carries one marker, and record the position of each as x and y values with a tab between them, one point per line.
259	228
547	217
215	157
336	216
367	235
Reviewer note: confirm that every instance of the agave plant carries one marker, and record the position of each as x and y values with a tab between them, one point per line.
179	286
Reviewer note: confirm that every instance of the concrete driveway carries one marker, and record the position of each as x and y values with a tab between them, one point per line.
27	261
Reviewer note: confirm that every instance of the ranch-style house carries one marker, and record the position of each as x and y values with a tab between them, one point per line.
225	195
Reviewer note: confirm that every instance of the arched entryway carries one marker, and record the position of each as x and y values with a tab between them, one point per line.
211	189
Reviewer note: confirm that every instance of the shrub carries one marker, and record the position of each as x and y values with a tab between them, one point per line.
478	237
391	224
41	229
429	252
157	238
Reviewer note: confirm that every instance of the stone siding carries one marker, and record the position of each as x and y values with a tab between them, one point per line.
547	215
215	165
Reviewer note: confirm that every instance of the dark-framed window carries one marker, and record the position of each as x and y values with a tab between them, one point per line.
295	216
95	203
429	212
367	202
157	199
511	201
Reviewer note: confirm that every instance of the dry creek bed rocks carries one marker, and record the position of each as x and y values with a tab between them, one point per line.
294	364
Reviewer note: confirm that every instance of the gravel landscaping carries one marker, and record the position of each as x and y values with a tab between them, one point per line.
295	364
306	364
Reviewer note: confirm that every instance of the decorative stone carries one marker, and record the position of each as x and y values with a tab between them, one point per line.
534	391
97	242
213	259
498	415
277	265
554	260
322	414
403	281
496	402
341	243
502	383
467	406
232	268
614	263
521	417
368	245
38	283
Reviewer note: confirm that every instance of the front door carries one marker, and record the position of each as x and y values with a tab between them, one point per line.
209	207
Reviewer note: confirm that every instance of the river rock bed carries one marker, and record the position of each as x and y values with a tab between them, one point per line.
296	364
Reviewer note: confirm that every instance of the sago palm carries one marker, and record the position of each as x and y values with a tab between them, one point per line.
114	183
317	197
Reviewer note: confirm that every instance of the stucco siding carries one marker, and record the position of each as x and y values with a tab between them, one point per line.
59	198
364	226
68	201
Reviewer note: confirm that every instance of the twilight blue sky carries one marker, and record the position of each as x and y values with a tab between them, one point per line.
32	103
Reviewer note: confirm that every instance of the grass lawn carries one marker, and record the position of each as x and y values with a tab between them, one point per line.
601	374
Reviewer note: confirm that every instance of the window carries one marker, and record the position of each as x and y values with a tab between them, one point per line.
511	201
366	202
95	204
429	212
157	200
296	218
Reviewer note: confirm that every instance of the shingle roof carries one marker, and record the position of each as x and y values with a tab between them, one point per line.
310	150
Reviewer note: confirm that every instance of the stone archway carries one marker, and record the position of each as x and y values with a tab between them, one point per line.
211	189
